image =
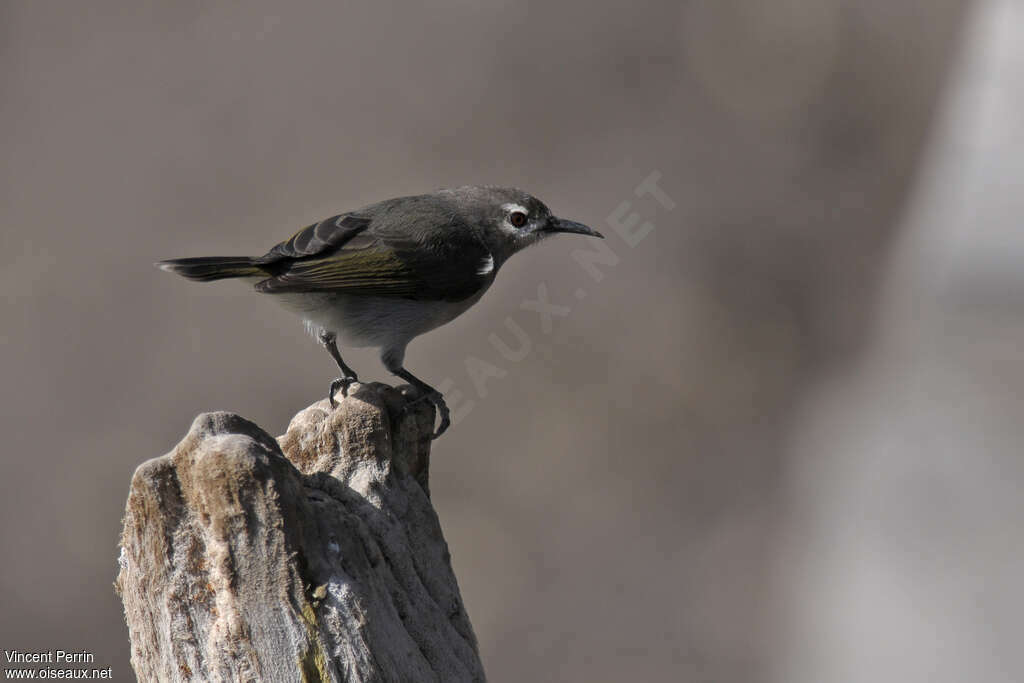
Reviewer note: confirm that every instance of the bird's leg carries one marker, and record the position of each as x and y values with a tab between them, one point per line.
392	359
431	394
348	375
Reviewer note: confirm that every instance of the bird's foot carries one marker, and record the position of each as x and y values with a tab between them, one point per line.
342	383
435	397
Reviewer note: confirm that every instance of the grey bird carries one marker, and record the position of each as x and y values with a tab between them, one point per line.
384	274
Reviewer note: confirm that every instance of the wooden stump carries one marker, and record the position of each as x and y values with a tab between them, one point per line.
316	556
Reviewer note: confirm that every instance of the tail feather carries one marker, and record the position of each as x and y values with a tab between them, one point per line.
206	268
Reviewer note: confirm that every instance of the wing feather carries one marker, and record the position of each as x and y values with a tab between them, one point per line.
380	251
388	271
330	233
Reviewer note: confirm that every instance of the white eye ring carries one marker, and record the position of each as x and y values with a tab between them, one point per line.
511	210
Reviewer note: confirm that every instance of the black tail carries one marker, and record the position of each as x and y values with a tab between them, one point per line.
206	268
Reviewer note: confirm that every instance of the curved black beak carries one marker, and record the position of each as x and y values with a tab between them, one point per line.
562	225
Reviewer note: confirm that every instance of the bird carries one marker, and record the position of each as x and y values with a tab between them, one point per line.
383	274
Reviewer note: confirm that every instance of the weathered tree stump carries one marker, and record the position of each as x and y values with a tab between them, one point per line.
316	556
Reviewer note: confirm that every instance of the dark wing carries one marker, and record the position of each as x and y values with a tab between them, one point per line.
319	238
450	268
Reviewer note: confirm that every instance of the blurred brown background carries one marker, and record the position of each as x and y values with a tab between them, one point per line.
778	440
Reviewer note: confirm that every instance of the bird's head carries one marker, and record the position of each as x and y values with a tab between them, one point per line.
509	219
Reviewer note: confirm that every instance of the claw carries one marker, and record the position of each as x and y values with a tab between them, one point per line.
342	383
446	421
437	399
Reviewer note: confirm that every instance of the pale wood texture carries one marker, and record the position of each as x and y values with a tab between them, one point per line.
316	556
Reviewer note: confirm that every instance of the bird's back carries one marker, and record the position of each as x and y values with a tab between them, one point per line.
416	247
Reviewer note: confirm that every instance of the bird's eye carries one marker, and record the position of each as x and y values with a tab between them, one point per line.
517	219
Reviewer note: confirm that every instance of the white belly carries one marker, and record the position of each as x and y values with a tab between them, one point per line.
360	321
